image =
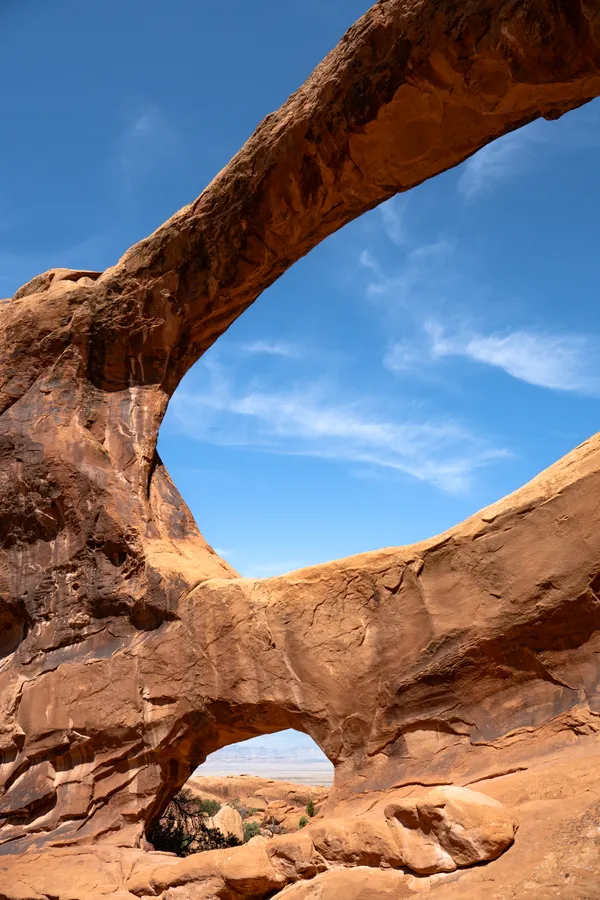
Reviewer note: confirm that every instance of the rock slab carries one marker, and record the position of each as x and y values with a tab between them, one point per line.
450	827
229	822
453	661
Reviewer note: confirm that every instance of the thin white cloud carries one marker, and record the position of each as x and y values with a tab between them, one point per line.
307	421
562	362
147	139
492	165
517	152
437	252
404	356
393	217
273	348
420	281
223	552
367	260
557	361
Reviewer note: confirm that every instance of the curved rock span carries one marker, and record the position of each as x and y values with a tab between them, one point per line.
129	650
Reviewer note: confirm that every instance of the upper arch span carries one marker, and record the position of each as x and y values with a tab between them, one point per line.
412	89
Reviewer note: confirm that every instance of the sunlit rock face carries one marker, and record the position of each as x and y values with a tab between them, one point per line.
129	650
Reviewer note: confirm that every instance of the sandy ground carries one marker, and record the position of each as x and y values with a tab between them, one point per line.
293	771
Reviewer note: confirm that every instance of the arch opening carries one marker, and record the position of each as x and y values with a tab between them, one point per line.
287	755
265	785
379	406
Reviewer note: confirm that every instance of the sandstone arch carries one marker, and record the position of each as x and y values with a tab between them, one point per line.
117	616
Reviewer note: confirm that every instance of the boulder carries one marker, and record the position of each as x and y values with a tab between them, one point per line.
249	871
295	856
450	827
355	842
229	822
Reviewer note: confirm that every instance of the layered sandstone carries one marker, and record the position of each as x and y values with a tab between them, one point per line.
555	855
129	650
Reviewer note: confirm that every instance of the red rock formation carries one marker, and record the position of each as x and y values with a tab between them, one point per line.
555	855
268	802
129	650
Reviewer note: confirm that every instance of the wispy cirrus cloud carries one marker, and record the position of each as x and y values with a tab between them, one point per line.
393	219
224	552
518	152
309	420
492	165
419	275
430	278
147	139
273	348
403	356
561	362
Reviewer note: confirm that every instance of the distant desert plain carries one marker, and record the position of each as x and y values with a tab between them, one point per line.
299	764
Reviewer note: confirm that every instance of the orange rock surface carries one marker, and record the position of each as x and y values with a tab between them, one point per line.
129	650
274	802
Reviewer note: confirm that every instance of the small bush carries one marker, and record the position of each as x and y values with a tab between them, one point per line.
251	829
209	807
303	822
310	809
182	828
243	810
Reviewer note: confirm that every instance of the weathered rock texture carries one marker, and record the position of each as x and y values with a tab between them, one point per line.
263	866
449	827
269	803
555	855
129	649
229	822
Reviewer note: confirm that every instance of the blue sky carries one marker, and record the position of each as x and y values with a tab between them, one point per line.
418	365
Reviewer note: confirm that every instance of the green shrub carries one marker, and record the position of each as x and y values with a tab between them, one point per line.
182	828
303	822
310	809
210	807
237	804
251	829
244	811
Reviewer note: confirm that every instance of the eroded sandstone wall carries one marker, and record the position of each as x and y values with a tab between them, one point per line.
129	649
